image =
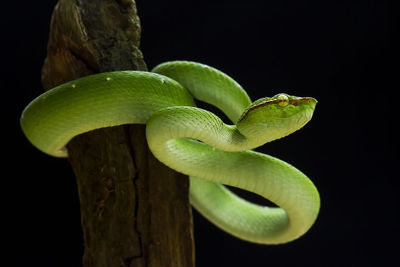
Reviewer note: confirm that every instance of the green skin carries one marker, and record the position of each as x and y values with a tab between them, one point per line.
194	141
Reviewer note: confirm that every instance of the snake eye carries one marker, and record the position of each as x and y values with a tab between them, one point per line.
283	100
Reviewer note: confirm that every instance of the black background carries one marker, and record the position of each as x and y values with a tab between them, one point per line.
340	52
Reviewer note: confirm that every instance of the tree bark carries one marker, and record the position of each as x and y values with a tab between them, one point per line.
134	210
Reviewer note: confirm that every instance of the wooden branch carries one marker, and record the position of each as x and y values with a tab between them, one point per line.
135	211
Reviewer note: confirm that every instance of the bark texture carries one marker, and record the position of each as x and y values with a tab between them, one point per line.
135	211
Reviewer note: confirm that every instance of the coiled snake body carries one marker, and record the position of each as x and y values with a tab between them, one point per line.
194	141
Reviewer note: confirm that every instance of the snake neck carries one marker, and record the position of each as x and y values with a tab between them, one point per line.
240	138
204	126
258	134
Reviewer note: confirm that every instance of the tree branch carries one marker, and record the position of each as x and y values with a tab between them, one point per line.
135	211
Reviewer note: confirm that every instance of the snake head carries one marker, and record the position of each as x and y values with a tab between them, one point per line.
274	117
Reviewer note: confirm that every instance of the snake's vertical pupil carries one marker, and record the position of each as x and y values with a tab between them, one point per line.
283	100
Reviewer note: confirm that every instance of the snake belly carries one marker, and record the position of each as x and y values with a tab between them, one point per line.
190	140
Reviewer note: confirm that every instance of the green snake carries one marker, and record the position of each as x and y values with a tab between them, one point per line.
194	141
